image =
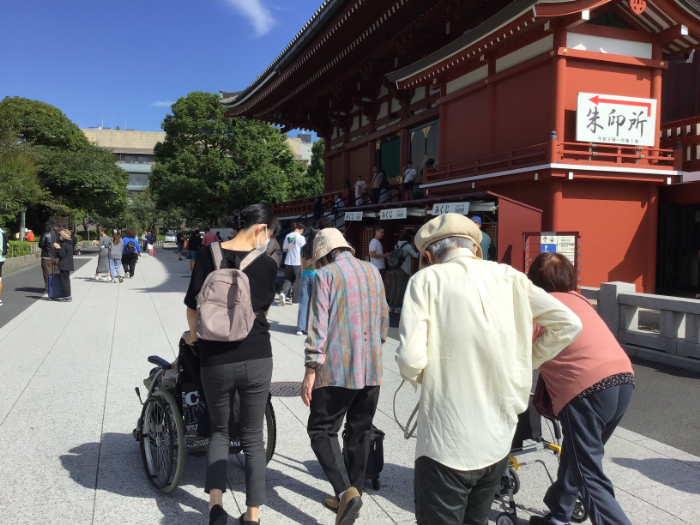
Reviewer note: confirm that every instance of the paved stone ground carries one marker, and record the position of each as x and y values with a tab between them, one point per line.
67	409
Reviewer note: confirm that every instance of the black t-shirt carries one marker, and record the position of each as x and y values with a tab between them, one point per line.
180	238
194	243
261	276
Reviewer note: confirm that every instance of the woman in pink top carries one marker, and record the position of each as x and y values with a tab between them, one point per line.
590	383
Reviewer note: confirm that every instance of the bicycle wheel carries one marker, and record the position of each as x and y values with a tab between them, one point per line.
270	431
162	441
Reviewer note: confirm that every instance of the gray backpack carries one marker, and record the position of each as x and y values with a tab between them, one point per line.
224	307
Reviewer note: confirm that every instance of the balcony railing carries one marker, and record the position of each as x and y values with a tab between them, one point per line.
300	207
684	135
555	152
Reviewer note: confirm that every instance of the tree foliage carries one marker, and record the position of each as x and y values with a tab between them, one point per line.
74	176
313	180
210	164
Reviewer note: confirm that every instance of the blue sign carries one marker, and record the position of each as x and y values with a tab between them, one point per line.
548	248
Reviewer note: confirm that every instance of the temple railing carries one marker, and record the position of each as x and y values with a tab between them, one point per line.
300	207
684	135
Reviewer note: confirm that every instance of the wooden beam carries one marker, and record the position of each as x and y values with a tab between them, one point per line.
566	8
672	33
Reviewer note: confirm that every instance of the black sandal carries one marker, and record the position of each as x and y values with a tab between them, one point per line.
218	516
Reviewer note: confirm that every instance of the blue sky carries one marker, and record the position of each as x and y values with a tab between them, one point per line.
125	61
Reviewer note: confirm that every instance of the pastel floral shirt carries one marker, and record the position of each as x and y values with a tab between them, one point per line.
348	319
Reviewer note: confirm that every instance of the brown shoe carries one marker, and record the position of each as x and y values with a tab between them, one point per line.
349	507
332	503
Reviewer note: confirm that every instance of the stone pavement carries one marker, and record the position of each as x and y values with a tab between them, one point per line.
67	409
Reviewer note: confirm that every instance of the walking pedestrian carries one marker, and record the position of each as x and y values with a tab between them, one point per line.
180	238
243	366
466	335
103	256
209	237
151	242
144	240
485	243
348	324
131	254
194	243
376	185
218	236
65	264
293	243
4	248
376	252
116	249
384	187
401	274
49	260
590	384
360	190
337	205
318	210
308	272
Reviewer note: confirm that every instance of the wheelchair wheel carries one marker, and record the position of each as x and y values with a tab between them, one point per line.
269	436
162	441
580	513
514	480
505	518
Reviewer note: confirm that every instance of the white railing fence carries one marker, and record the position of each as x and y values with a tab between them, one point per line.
677	342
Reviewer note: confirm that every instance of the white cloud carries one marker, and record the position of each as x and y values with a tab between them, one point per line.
162	103
256	13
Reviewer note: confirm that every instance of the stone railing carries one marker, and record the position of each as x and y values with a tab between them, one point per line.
677	342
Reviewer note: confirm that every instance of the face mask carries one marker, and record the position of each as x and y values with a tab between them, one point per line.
263	247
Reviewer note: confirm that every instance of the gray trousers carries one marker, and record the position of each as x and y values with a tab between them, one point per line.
252	381
292	277
445	496
399	281
587	425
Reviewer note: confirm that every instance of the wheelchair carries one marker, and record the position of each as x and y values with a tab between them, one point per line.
174	420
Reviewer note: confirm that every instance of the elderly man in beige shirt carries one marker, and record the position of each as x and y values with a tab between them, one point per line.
466	336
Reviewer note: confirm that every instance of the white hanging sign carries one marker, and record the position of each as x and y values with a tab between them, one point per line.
353	216
610	119
451	207
564	244
395	213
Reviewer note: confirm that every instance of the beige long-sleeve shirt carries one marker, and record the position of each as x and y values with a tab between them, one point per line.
466	336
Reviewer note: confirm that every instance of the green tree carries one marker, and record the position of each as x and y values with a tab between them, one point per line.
210	164
312	182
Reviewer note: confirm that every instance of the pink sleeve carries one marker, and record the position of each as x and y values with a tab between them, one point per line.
537	331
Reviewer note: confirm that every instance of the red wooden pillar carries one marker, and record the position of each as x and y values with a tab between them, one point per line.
442	137
656	94
652	232
491	108
346	167
558	111
327	175
555	206
371	159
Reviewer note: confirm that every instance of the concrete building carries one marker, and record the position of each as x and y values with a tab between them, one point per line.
301	147
133	151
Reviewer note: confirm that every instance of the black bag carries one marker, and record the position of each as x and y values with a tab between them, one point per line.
375	460
194	408
397	256
130	248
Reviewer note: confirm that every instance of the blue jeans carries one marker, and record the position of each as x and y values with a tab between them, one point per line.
307	284
115	268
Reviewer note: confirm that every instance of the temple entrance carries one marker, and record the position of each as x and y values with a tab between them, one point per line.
678	266
424	143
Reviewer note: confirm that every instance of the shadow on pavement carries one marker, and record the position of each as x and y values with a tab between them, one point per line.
662	470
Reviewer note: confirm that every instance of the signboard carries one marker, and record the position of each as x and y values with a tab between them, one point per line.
451	207
396	213
609	119
564	244
353	216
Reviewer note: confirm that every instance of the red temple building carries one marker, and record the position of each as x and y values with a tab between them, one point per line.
547	116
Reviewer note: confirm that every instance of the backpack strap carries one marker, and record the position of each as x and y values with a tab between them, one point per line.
248	259
216	253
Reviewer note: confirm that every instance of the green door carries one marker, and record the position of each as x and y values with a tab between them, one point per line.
389	156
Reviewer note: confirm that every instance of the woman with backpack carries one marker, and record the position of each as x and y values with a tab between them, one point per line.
400	264
132	252
308	273
231	359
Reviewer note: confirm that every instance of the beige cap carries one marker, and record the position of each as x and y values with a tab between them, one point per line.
448	225
66	234
328	240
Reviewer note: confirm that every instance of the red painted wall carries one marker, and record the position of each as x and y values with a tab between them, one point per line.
335	169
464	133
358	165
523	109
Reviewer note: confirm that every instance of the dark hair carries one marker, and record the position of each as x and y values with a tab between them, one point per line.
553	273
49	225
207	229
115	237
330	257
409	161
131	233
429	163
408	236
324	222
307	252
252	215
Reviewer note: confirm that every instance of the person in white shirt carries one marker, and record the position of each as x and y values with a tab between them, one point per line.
409	175
293	243
466	336
376	252
400	275
360	190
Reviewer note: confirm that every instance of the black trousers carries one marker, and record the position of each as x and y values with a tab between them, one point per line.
587	425
129	262
329	405
292	277
445	496
65	282
252	381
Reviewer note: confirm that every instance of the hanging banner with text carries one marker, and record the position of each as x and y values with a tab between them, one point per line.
564	244
353	216
609	119
396	213
451	207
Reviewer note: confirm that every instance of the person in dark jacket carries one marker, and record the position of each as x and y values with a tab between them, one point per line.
49	263
65	264
132	252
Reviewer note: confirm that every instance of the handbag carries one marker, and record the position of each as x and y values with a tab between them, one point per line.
542	401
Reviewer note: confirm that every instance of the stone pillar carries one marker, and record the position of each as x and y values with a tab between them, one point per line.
617	317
